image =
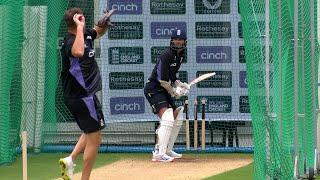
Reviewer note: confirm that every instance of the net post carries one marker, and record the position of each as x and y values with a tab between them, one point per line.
24	155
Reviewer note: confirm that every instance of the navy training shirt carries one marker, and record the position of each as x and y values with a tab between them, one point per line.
80	76
166	67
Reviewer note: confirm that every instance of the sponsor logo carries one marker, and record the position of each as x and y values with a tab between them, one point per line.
243	79
180	102
240	30
126	6
126	30
126	80
168	6
182	76
242	54
213	30
163	30
156	51
213	54
127	105
222	79
216	104
125	55
244	106
212	6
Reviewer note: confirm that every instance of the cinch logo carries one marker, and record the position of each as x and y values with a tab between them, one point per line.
213	54
163	30
126	6
243	79
127	105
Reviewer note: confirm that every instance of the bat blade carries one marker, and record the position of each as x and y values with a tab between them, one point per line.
201	78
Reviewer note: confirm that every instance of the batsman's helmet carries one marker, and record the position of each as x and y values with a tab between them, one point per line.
178	34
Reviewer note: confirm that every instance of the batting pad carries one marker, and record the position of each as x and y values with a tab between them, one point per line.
166	124
176	128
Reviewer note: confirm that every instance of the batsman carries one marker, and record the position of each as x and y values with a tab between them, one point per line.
161	90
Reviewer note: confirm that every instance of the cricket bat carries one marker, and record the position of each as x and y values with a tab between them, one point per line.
201	78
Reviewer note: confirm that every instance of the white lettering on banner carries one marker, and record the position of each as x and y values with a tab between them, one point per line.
127	107
115	56
125	7
208	55
217	107
166	5
213	29
129	58
244	100
164	31
126	79
126	27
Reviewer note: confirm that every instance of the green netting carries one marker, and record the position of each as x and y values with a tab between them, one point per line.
29	62
283	104
11	37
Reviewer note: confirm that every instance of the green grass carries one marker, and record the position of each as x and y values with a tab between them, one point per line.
45	166
245	172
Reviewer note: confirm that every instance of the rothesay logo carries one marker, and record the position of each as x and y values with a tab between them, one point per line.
126	30
127	105
222	79
126	6
168	6
244	106
213	30
126	80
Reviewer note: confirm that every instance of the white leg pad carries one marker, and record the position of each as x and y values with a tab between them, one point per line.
176	128
166	124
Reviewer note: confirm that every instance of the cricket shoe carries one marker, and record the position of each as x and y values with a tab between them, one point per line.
161	158
174	155
66	166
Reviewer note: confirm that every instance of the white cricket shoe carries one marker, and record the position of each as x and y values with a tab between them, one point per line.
66	166
161	158
174	155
